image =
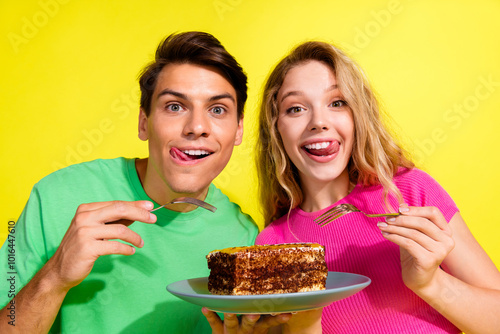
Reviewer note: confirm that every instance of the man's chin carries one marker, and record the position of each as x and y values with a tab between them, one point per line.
194	190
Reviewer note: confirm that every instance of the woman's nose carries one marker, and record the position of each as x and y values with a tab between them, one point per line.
318	120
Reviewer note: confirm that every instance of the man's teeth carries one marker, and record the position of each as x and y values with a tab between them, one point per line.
318	146
196	152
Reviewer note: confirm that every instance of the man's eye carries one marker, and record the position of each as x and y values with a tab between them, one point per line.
294	110
174	107
218	110
339	103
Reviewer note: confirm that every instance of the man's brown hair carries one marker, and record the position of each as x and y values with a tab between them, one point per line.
198	48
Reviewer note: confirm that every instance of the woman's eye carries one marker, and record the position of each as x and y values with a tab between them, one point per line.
294	110
218	110
339	103
174	107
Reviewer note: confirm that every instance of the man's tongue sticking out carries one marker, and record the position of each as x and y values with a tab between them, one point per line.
178	154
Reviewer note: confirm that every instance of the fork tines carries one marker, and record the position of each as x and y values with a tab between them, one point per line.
330	215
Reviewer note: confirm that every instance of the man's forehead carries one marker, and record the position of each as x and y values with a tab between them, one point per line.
190	81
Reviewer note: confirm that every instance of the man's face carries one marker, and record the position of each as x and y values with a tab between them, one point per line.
192	129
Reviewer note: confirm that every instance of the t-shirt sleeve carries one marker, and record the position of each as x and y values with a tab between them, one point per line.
268	236
420	189
251	228
23	252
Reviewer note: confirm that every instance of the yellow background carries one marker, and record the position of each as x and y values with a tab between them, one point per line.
69	89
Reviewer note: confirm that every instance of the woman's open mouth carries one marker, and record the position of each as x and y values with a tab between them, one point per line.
322	149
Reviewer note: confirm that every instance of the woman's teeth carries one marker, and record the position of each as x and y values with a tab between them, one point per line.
322	148
317	146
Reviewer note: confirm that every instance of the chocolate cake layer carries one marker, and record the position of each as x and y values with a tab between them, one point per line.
267	269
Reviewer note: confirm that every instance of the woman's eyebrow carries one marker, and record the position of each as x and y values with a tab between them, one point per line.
298	93
332	87
290	93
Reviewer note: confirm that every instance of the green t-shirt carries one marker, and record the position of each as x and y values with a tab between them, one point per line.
124	294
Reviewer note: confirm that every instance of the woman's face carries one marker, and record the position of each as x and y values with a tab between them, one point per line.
315	122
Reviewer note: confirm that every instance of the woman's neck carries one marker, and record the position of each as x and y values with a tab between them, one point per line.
321	194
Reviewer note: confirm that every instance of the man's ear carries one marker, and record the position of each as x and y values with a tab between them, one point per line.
239	133
143	125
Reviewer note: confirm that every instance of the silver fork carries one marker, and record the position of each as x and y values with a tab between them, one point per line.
189	200
342	209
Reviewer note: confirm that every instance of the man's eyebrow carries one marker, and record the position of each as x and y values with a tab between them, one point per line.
295	92
222	96
174	93
185	97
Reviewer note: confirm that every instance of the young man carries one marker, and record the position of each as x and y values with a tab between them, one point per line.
72	267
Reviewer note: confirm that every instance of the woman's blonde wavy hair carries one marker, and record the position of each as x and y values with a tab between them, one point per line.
375	158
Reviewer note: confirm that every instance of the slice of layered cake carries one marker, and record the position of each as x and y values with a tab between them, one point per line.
267	269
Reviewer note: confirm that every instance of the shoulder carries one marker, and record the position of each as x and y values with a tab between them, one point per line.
415	180
418	188
228	208
85	176
98	167
273	233
413	176
267	236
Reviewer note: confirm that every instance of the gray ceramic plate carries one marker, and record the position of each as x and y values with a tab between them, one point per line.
338	286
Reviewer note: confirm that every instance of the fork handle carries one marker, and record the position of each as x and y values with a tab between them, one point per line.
393	214
158	208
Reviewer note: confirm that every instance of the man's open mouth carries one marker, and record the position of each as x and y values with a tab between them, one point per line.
188	155
322	148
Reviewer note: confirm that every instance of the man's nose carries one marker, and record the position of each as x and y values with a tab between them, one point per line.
197	123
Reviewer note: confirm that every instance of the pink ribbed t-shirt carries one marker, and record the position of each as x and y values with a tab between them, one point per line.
354	244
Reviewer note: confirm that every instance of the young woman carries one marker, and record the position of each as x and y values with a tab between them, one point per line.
322	143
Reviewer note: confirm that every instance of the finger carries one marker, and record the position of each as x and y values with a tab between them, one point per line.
147	205
269	321
408	224
425	258
412	240
231	323
430	212
248	323
124	222
420	230
114	247
120	232
120	210
213	320
418	244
